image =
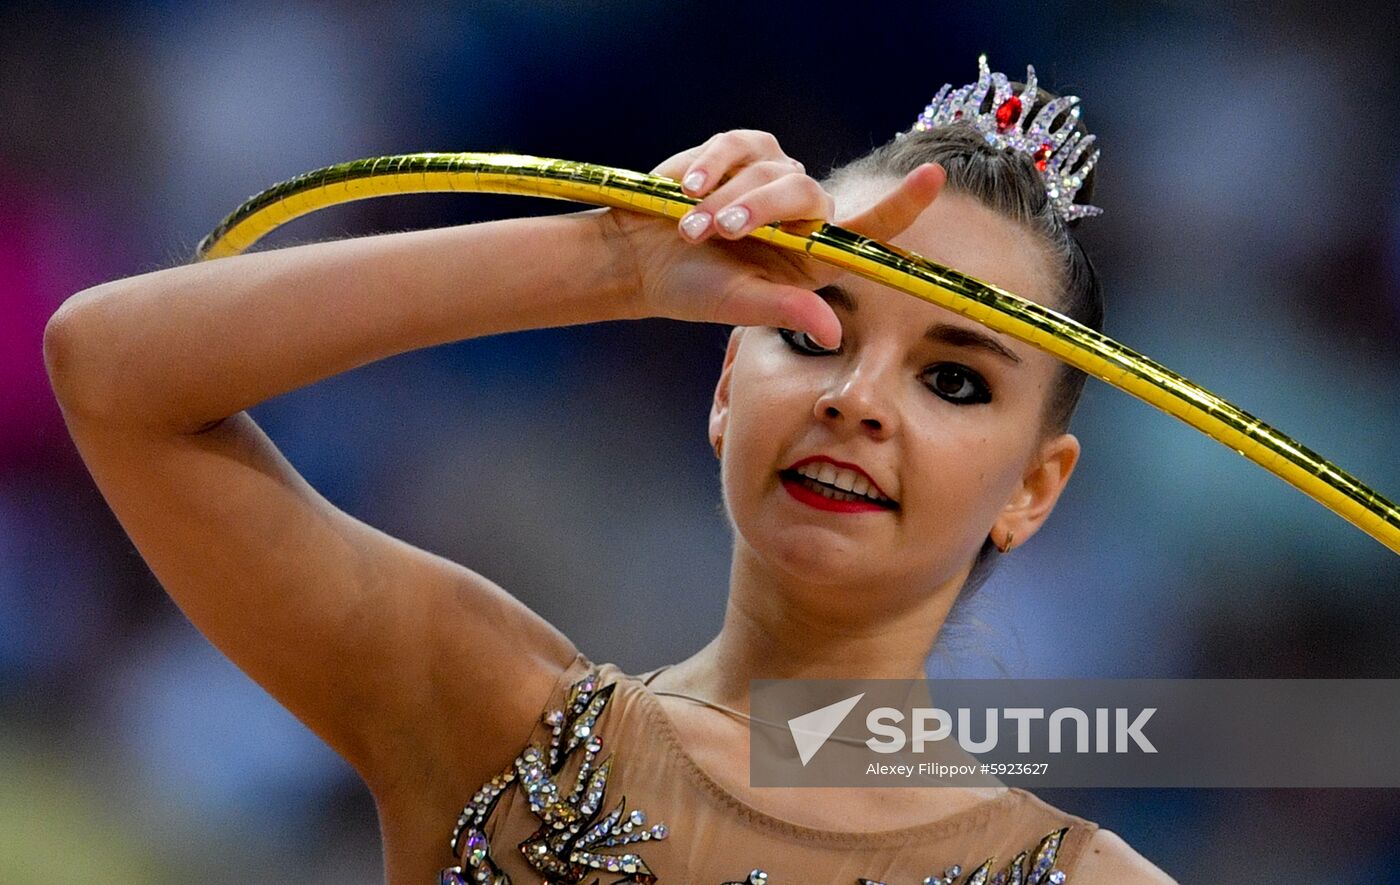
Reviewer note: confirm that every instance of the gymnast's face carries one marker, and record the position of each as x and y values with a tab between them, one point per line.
947	430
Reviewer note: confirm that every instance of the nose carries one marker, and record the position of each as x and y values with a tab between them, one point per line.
859	397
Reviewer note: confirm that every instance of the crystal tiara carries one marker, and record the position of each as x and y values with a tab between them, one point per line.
1056	147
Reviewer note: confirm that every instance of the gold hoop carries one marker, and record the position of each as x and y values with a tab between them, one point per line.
1067	340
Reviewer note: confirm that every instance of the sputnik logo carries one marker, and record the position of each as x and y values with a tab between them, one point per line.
811	730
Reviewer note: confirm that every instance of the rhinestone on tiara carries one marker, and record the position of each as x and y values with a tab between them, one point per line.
1059	151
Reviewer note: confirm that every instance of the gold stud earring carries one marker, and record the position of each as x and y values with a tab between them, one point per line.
1005	546
719	447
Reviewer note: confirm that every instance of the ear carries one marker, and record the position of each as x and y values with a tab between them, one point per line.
1040	488
719	409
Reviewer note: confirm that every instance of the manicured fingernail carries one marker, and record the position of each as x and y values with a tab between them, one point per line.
695	223
694	181
732	219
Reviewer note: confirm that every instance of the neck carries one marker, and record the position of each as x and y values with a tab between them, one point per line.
780	627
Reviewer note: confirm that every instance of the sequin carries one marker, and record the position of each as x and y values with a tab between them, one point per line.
567	845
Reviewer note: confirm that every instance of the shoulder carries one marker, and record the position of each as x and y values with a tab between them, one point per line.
1108	859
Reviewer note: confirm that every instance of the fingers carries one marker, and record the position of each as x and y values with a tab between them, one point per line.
717	158
761	193
898	209
732	163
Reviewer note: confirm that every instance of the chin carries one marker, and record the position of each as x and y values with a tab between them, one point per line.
815	554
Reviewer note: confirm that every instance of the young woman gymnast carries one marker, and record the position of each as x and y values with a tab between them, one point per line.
877	454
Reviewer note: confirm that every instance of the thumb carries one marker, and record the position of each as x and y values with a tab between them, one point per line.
898	209
764	303
814	315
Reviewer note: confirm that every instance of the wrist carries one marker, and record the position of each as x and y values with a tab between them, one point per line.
619	273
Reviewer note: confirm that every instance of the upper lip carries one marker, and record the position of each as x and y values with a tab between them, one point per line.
849	466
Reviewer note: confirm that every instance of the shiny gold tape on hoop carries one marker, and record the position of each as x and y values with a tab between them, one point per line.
997	309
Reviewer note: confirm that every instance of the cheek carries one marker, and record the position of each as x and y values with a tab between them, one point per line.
760	425
768	396
959	478
770	408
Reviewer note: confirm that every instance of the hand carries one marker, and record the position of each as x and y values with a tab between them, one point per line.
704	271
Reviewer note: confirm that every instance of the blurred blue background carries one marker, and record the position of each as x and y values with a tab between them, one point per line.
1251	178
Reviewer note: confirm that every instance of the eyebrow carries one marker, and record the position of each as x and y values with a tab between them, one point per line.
945	333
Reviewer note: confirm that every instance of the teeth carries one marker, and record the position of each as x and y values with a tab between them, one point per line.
847	480
835	495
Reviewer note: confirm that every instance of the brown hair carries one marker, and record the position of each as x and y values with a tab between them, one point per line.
1007	182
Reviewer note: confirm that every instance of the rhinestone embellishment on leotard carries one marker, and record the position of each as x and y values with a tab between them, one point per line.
568	844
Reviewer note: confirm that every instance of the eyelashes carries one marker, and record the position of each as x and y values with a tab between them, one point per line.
968	387
807	345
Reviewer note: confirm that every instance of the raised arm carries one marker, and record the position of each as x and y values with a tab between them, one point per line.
217	337
365	638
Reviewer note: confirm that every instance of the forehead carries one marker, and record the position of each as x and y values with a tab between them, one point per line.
958	231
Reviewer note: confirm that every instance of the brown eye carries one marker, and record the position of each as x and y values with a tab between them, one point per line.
958	384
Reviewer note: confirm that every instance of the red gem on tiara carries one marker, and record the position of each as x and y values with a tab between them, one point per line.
1007	113
1042	156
